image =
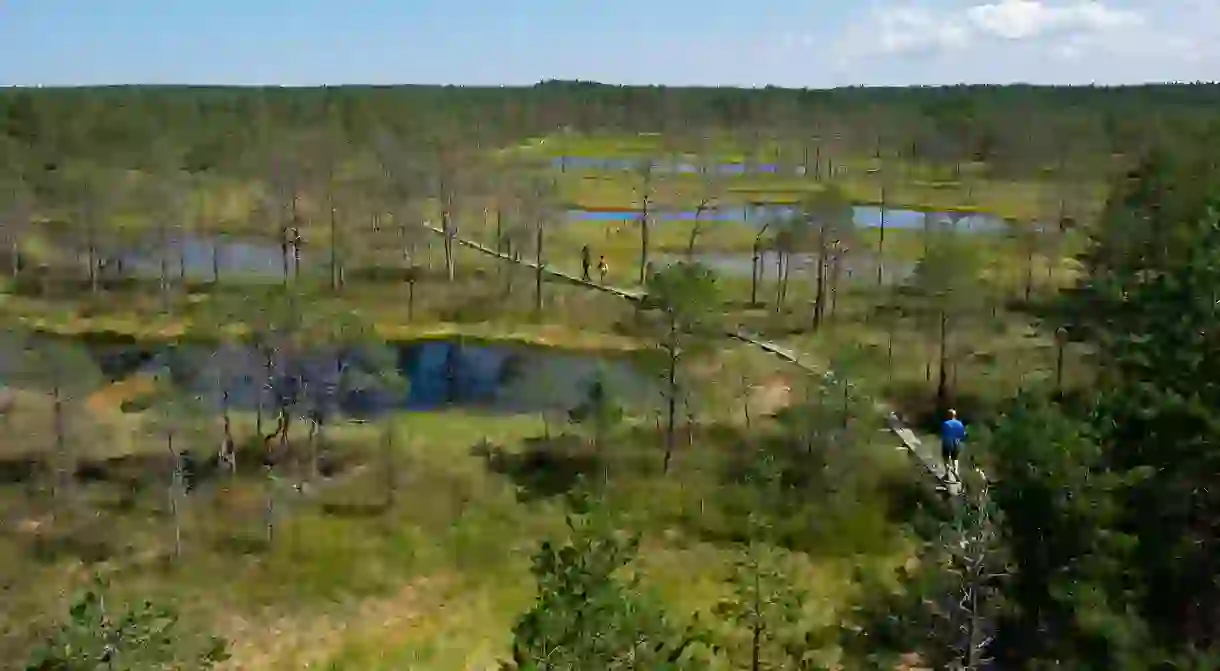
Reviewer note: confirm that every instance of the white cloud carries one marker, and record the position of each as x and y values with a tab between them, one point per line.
1026	19
904	29
899	42
908	29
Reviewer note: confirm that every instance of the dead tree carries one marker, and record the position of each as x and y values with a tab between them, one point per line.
16	218
968	616
644	193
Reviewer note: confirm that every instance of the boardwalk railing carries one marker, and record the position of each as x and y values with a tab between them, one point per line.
910	442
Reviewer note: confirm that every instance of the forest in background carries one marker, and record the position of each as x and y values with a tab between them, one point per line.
216	127
708	526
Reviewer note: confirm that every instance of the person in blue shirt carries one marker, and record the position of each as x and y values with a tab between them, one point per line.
952	434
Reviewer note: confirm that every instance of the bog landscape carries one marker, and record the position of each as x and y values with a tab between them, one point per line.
580	376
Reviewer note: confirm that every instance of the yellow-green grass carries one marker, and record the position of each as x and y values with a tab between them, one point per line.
433	584
908	185
95	430
454	515
1003	198
208	317
471	627
991	357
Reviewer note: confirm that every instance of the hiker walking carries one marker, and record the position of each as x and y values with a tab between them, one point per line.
586	261
952	434
602	268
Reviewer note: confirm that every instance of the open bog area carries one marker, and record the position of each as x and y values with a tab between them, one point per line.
583	377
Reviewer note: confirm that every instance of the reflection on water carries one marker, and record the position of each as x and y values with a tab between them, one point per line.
864	216
365	381
196	257
418	376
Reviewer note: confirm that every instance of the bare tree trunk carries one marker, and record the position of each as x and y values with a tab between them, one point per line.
447	226
175	490
755	272
1029	269
228	447
266	387
745	400
881	243
819	297
646	200
538	241
672	394
757	624
390	467
14	256
91	243
757	268
889	348
215	261
643	224
499	240
64	471
269	512
296	251
411	298
781	257
783	284
181	245
694	233
942	381
834	285
312	439
335	280
284	225
163	257
512	271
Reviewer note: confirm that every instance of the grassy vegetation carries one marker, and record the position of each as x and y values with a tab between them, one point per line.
905	185
432	581
414	553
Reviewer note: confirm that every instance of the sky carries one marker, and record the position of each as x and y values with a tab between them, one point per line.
800	43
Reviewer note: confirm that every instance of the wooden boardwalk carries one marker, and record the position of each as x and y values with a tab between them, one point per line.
922	455
629	294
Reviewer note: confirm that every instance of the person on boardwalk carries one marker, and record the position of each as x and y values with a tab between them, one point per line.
952	433
586	260
602	268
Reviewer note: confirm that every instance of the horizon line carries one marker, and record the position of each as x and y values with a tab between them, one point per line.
592	83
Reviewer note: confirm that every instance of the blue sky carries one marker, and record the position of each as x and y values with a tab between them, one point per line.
813	43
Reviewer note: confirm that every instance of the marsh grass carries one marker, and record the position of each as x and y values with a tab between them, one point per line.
433	577
434	580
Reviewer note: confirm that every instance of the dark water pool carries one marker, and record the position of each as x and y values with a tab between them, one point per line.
418	376
415	376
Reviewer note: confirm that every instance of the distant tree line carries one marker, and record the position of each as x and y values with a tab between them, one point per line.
215	127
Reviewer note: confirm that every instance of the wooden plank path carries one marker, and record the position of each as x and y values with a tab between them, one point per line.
922	455
629	294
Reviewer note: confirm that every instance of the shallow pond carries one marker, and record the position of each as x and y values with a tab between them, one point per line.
864	216
418	376
197	257
414	376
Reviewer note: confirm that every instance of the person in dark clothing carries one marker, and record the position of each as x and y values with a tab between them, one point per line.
586	260
952	434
